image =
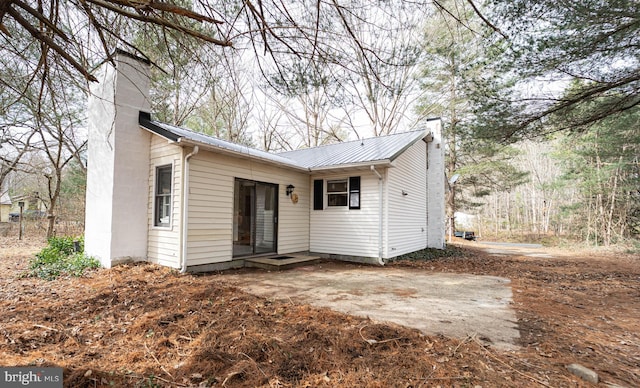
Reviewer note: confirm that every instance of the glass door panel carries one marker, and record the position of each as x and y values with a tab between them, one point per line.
243	217
266	212
255	216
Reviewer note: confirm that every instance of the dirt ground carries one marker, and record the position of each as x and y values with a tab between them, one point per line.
143	325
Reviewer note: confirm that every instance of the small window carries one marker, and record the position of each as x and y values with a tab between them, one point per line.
163	196
337	193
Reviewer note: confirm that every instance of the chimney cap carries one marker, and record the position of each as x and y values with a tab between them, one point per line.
122	52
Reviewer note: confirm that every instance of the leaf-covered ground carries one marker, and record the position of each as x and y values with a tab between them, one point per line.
144	325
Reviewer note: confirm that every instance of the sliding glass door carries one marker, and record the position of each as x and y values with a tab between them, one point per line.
255	217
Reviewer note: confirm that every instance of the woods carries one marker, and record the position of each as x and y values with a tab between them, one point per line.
539	100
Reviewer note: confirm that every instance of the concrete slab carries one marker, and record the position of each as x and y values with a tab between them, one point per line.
280	263
456	305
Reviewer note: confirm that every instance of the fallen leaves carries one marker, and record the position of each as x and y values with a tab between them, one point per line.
145	325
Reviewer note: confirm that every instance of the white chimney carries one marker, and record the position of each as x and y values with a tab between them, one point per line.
116	221
436	217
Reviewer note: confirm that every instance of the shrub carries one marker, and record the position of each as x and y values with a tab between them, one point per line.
430	254
59	257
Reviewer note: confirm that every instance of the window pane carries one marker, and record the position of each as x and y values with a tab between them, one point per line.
337	199
337	186
164	210
354	200
164	180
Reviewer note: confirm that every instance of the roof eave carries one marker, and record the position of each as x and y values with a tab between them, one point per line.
144	120
378	163
189	142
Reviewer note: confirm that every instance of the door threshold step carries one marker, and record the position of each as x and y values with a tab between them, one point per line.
280	262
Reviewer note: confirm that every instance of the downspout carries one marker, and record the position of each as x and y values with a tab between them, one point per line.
185	208
380	218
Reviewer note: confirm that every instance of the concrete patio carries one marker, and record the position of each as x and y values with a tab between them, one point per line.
456	305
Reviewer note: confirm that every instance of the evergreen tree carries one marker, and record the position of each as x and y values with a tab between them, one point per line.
603	163
452	46
542	46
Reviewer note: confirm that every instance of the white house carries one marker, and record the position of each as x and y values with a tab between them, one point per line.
182	199
5	203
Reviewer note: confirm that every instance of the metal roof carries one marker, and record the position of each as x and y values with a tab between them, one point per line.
377	149
4	193
182	135
5	199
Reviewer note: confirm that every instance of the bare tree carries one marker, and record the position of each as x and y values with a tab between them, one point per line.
15	137
307	93
382	80
56	112
15	143
67	30
225	111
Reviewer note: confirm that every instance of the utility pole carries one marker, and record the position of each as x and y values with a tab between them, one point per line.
21	205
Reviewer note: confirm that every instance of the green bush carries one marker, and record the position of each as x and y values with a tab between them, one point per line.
59	257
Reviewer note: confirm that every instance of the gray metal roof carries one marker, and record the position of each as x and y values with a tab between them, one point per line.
382	148
5	199
4	193
183	135
376	149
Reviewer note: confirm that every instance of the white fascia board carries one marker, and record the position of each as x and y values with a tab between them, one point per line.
377	163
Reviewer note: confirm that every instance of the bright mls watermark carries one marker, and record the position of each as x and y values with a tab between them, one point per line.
11	377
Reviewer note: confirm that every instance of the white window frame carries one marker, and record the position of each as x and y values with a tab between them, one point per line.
344	193
156	224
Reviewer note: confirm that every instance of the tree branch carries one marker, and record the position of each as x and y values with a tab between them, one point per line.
159	22
485	20
50	43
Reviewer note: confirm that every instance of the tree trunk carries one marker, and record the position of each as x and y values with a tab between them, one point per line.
613	190
54	194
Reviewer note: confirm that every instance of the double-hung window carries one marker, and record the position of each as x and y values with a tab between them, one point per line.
340	192
162	215
337	192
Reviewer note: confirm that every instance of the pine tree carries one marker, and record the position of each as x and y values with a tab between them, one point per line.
453	46
542	46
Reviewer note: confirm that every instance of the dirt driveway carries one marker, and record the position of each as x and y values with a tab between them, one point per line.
455	305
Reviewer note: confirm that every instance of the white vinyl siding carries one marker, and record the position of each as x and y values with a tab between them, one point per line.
212	176
407	214
164	242
343	231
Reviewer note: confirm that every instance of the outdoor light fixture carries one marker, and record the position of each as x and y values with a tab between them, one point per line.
290	189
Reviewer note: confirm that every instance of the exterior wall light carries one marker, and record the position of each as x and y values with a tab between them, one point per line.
290	190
